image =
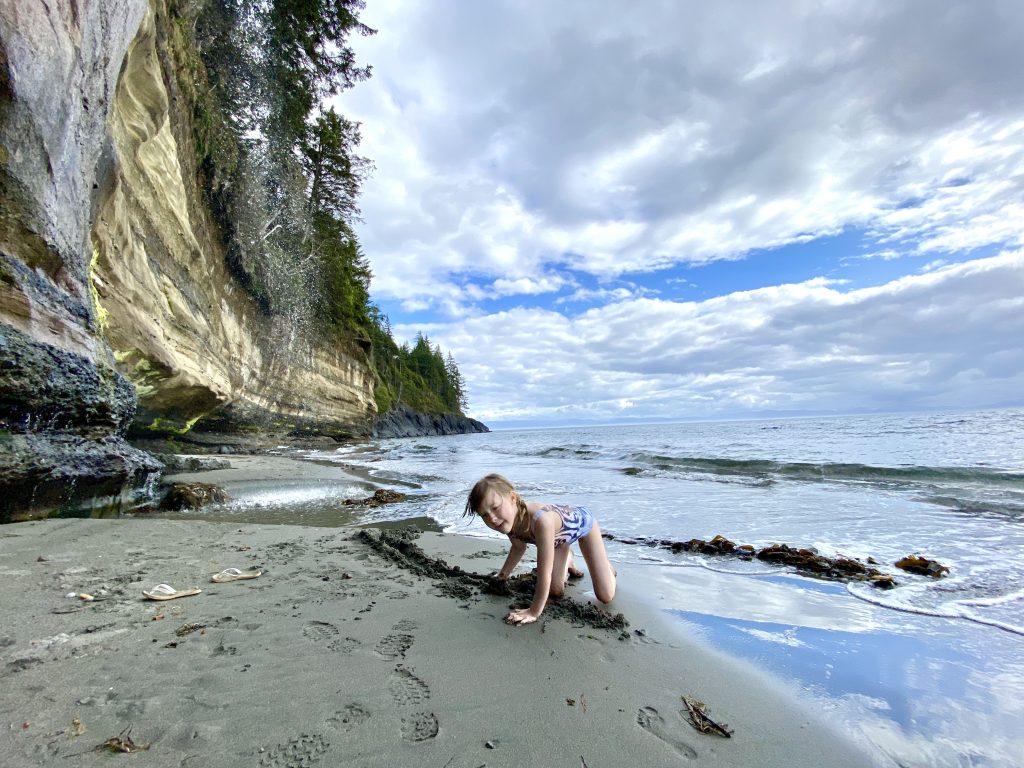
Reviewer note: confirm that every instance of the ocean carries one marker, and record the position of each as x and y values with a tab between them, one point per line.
930	673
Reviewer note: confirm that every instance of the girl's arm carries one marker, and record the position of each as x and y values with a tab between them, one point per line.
544	529
515	554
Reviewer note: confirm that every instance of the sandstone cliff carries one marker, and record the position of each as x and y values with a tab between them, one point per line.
116	309
195	344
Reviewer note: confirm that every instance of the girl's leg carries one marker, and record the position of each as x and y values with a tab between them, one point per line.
559	571
601	571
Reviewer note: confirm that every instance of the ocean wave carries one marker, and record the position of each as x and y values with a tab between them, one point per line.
954	609
827	471
978	507
752	481
569	451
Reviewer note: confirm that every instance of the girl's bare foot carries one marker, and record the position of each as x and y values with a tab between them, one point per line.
572	571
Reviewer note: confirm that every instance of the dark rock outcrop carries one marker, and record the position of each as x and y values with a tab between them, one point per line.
71	476
174	463
47	389
404	422
62	423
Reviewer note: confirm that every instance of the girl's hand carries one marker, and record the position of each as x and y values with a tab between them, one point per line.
522	616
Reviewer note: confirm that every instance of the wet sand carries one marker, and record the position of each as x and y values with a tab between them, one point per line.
341	655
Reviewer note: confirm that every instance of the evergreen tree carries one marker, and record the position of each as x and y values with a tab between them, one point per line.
457	383
334	170
309	54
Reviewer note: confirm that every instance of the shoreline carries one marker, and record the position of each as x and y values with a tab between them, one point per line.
385	667
851	662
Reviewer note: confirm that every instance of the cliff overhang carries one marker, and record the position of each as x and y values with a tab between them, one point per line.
118	313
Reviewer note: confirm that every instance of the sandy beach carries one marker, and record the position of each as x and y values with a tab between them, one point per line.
339	655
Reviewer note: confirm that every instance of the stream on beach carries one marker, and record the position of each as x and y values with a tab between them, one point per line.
930	673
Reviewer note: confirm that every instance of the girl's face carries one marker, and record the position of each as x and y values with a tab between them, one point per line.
498	512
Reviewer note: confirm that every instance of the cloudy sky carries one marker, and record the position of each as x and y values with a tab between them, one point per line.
672	210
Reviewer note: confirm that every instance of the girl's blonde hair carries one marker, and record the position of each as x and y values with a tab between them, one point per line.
499	483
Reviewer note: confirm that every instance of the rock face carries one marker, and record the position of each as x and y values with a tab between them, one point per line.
112	280
64	406
403	422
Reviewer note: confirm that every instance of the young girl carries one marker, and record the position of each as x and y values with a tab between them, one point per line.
553	528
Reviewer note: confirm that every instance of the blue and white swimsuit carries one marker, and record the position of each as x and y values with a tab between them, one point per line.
576	522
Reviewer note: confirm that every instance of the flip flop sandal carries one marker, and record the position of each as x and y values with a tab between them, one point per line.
167	592
233	574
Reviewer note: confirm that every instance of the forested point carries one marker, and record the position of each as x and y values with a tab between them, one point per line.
282	176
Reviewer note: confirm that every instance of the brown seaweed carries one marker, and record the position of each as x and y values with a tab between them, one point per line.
804	559
380	497
121	743
193	496
700	720
922	565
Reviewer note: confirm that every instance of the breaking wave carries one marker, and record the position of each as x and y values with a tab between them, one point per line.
759	468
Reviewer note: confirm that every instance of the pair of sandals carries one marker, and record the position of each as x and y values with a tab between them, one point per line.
167	592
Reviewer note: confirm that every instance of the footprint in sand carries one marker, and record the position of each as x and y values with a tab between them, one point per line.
394	646
421	726
299	752
344	645
348	717
406	688
651	721
286	551
405	625
319	631
220	649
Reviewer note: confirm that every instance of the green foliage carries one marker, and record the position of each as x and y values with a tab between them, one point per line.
346	279
214	142
311	59
419	377
334	170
